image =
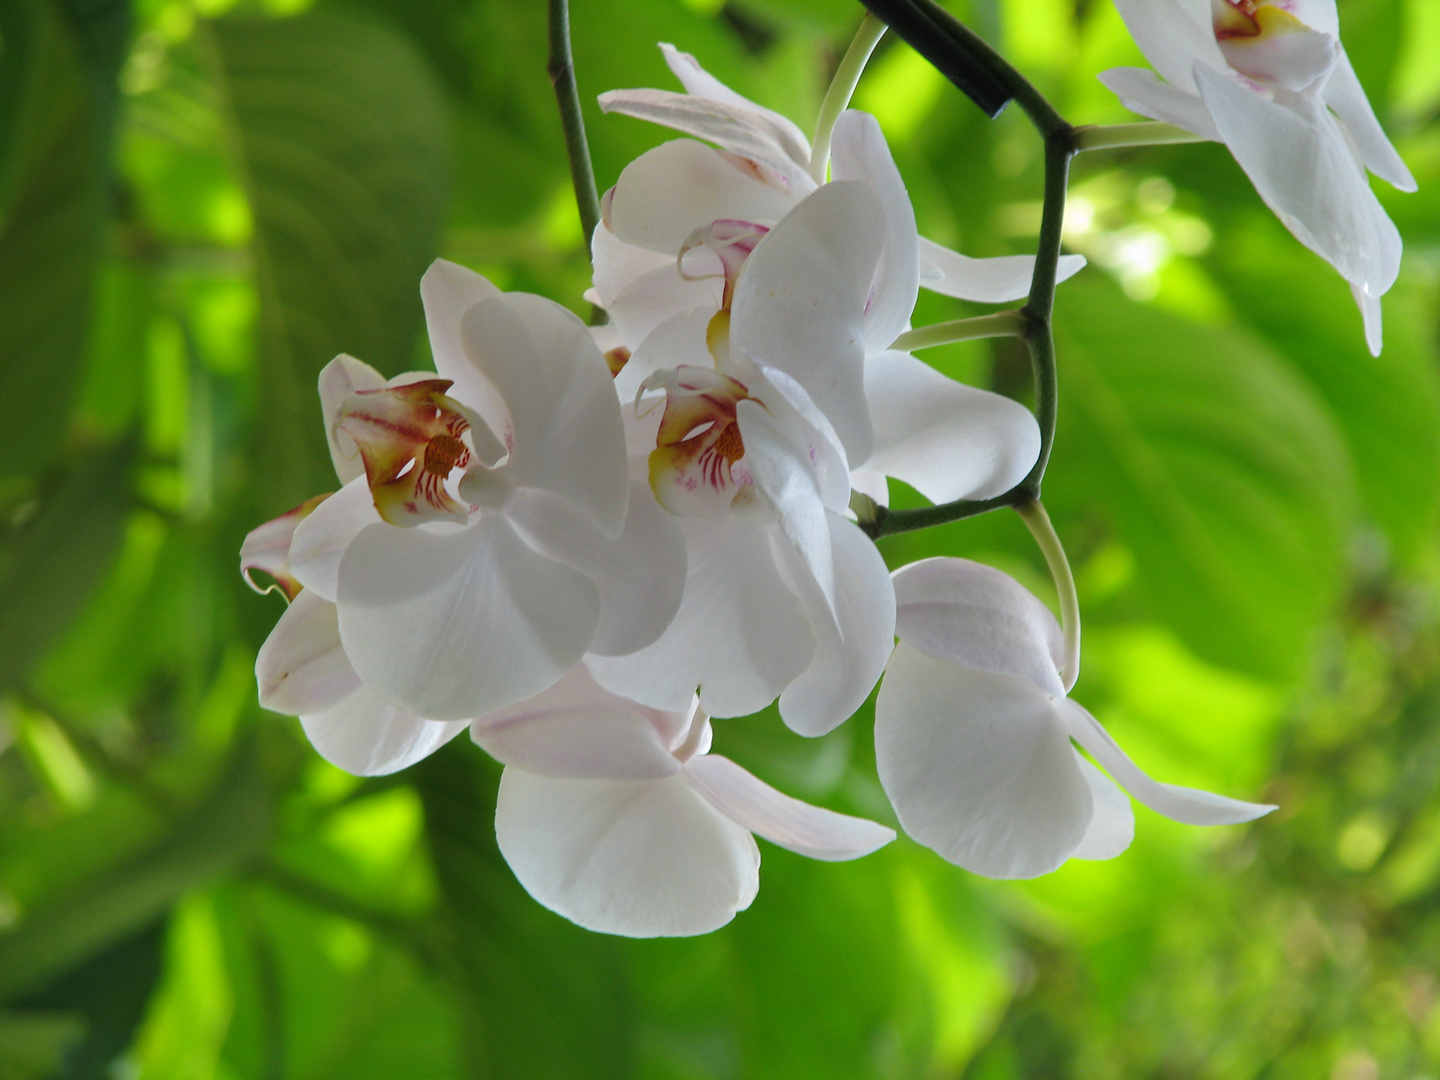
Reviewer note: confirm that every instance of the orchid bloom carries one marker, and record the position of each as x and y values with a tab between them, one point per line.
616	817
1270	79
487	534
973	734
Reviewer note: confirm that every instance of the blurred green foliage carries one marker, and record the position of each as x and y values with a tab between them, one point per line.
201	202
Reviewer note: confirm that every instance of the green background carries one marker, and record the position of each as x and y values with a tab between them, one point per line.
200	204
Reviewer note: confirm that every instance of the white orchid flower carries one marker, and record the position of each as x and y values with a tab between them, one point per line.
973	734
1270	79
485	536
616	817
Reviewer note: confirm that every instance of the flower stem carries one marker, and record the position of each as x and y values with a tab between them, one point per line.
842	87
1000	324
1114	136
561	68
1034	516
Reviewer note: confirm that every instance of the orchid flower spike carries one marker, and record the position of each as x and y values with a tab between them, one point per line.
973	734
1270	79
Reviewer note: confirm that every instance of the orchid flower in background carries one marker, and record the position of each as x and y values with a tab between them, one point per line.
973	733
617	817
1271	80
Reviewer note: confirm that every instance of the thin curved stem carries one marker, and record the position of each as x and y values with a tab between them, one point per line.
1000	324
842	88
1115	136
1034	516
561	68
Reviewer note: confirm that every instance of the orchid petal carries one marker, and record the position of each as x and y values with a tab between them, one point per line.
1346	96
1302	166
338	380
789	823
617	263
1277	49
578	730
852	640
368	737
458	623
1370	313
740	634
566	435
943	438
984	281
1188	805
640	575
1173	34
658	295
267	548
448	290
666	193
320	540
646	858
978	767
978	617
677	342
1140	91
800	302
1113	826
302	668
860	153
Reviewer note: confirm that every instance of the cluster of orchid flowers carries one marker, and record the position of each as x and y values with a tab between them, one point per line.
582	544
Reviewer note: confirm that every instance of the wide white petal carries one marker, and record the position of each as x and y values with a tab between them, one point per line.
617	264
978	767
852	644
448	290
1302	166
1190	805
301	668
1140	91
667	193
367	737
338	380
985	281
789	823
640	575
457	623
740	634
800	302
943	438
657	296
860	153
1113	826
792	407
566	435
978	617
641	858
321	539
1346	96
578	730
678	341
1173	34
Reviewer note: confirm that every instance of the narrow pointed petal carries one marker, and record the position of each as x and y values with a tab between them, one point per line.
578	730
448	290
978	767
860	153
1189	805
667	193
978	617
338	380
1374	325
740	633
852	645
1173	34
566	435
800	302
459	623
1113	826
984	281
1140	91
1346	96
786	822
646	858
367	737
640	575
1302	166
302	668
321	539
267	548
943	438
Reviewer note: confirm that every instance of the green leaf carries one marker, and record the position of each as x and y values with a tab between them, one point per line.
342	142
1213	463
